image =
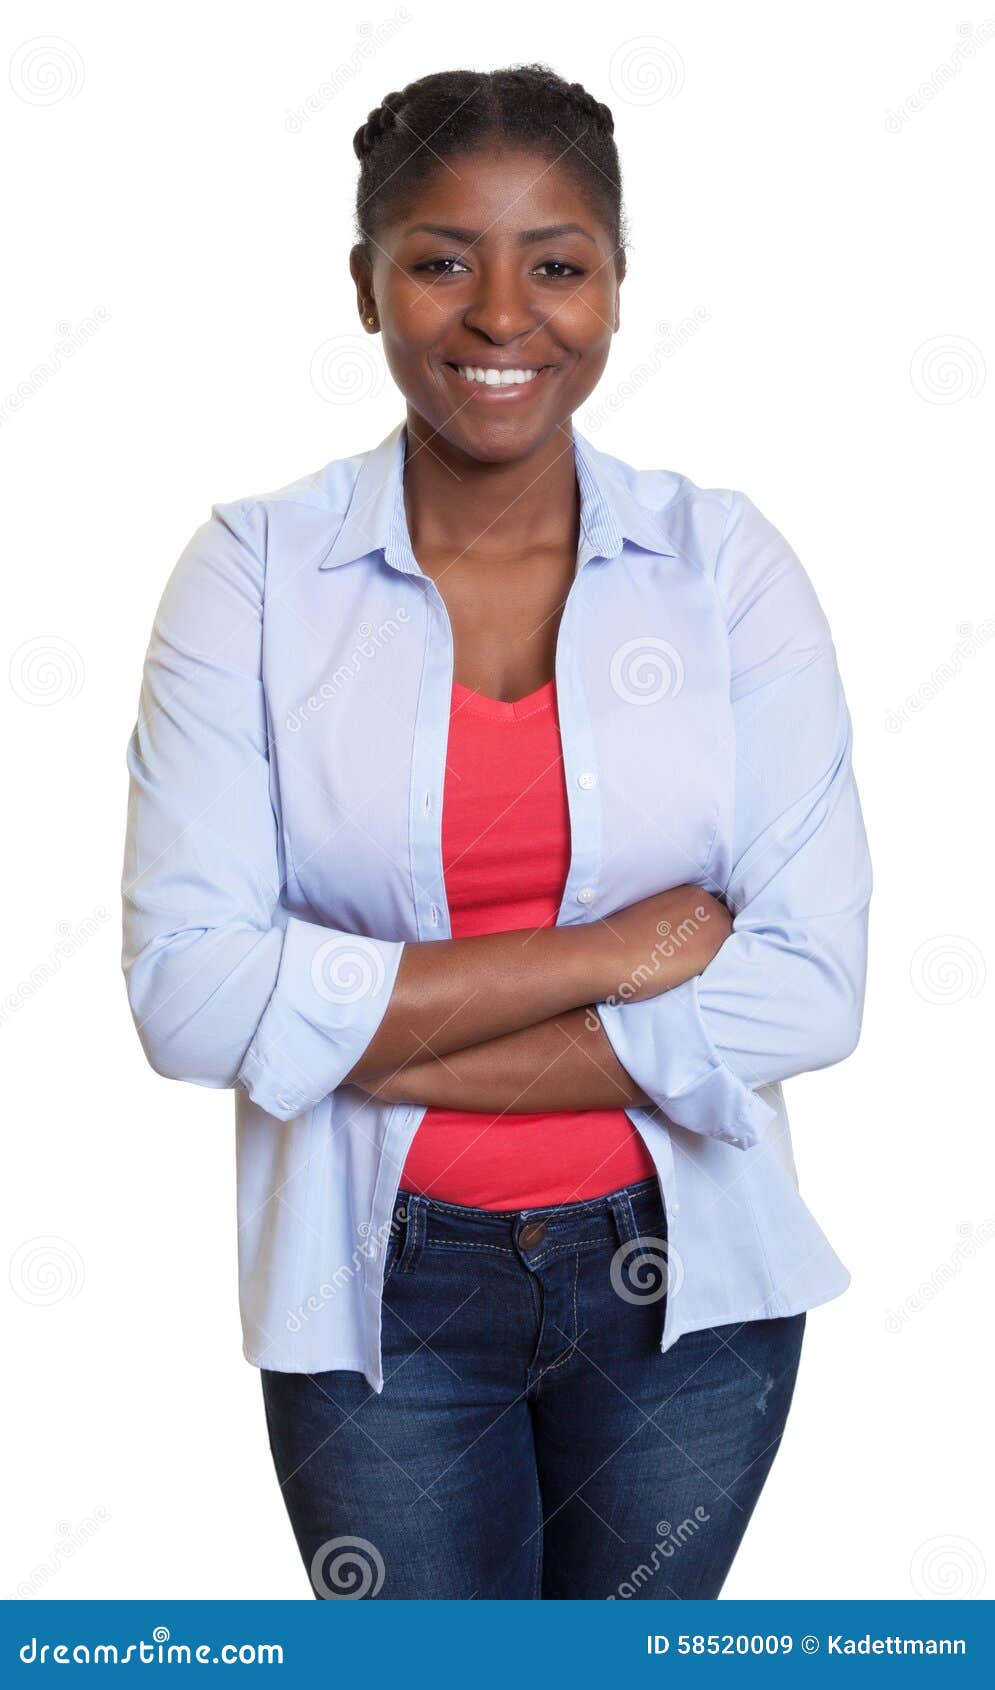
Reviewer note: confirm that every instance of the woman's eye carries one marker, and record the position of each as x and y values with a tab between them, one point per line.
432	262
432	265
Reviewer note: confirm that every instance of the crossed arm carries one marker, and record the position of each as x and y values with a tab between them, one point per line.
228	987
563	1063
562	1060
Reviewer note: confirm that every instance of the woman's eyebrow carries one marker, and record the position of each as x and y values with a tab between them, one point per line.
526	237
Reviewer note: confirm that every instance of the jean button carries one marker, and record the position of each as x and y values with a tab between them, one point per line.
532	1234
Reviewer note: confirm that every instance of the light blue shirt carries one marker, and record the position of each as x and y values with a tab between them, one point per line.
284	844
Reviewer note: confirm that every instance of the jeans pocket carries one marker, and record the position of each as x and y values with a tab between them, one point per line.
392	1250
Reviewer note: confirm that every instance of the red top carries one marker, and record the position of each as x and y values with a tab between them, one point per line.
506	854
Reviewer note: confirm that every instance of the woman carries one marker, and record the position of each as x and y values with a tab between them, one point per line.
493	833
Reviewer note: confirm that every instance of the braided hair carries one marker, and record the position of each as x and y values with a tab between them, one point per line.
457	111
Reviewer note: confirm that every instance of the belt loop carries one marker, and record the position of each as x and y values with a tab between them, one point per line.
620	1204
415	1217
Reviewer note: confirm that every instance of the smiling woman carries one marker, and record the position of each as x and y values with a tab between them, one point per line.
509	268
507	950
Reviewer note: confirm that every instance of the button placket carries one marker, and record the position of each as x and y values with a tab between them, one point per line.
580	764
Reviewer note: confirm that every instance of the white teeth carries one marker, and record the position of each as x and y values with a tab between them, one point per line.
496	378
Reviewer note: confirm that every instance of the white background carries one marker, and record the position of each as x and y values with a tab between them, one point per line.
183	183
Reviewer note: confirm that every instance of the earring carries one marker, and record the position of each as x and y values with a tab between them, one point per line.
372	322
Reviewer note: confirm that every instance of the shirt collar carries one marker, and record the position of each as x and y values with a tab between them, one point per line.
376	519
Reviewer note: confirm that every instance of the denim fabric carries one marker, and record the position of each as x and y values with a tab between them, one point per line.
531	1439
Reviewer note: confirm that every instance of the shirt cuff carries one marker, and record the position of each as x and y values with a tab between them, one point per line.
331	994
664	1045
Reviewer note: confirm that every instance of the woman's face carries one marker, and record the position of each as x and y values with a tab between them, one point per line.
498	264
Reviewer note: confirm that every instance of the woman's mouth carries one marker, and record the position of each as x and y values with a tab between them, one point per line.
486	383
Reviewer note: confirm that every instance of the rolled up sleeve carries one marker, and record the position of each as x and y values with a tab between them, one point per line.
225	985
785	992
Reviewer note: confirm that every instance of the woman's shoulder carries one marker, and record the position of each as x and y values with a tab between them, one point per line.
288	522
722	533
667	503
325	490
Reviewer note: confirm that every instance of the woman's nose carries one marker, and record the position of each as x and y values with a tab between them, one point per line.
500	309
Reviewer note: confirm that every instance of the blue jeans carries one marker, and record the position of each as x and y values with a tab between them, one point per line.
531	1440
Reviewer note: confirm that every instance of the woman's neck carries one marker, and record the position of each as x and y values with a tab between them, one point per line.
460	506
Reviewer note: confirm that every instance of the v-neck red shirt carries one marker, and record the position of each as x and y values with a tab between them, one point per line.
506	854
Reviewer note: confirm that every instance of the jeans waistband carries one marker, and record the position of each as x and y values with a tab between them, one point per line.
618	1216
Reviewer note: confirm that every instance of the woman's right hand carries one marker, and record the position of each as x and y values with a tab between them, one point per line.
659	942
450	994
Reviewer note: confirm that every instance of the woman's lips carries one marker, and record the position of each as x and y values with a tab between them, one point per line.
492	393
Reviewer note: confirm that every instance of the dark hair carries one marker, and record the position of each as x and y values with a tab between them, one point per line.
456	111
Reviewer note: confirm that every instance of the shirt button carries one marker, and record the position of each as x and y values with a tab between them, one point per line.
586	780
585	895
